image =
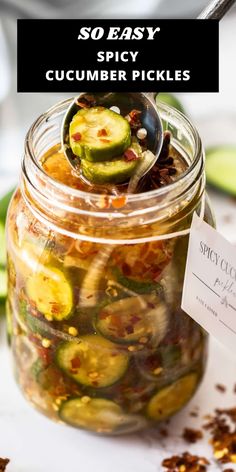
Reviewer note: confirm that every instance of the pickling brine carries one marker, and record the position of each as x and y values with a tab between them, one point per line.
98	336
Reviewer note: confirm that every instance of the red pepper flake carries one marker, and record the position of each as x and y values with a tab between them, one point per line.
134	119
151	305
186	462
222	427
3	464
135	319
152	362
126	269
55	308
45	354
119	202
221	388
192	435
75	363
156	275
103	315
130	329
103	140
76	137
130	155
135	114
102	132
164	433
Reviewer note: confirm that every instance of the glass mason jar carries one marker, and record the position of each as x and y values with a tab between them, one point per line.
98	336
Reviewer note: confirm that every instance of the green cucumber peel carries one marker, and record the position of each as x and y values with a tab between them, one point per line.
136	285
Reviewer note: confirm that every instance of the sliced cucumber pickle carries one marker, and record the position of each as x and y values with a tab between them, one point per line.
51	292
98	134
172	398
221	168
134	319
117	170
93	362
98	414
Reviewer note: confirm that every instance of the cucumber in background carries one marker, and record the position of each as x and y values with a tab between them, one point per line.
171	100
221	168
4	203
2	245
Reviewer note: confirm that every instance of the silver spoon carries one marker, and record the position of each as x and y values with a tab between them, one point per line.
216	10
145	102
124	102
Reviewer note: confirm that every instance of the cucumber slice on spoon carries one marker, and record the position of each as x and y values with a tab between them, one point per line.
98	134
125	102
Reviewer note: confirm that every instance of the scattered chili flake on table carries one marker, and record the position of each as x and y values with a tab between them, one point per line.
3	464
222	427
164	432
192	435
186	463
221	388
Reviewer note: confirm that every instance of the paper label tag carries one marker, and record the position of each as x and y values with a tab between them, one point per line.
209	293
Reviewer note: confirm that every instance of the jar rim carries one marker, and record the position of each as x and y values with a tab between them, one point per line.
130	198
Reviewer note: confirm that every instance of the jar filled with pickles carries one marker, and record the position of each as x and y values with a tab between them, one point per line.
98	337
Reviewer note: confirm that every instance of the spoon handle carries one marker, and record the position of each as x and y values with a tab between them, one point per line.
151	96
216	9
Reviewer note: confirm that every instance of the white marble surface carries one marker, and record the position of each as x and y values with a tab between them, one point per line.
36	444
